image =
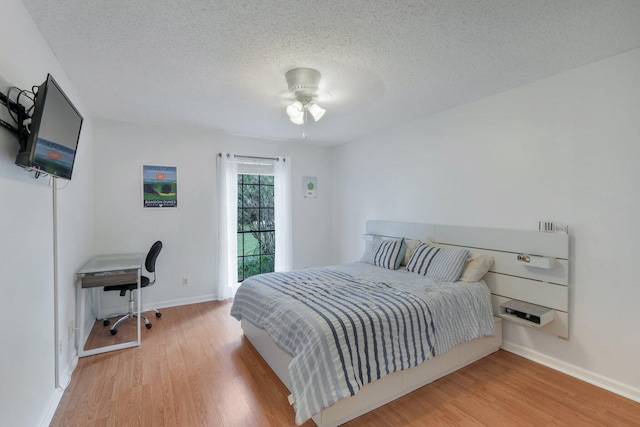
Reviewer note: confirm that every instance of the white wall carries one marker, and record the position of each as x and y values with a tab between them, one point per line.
189	233
562	149
565	149
28	395
74	245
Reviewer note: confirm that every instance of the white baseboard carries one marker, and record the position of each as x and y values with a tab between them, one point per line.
582	374
176	302
157	305
51	408
65	377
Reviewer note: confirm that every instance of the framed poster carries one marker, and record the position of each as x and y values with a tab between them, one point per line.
310	187
159	186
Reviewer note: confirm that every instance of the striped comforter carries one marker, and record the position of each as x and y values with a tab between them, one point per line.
346	326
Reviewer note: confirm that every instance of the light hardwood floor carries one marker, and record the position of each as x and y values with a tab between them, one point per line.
195	369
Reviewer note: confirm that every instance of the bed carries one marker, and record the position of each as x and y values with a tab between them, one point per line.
347	339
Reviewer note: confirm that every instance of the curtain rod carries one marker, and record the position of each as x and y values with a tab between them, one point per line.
236	156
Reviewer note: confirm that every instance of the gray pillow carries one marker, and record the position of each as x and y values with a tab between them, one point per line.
444	264
386	253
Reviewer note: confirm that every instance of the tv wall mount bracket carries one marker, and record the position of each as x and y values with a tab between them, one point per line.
21	131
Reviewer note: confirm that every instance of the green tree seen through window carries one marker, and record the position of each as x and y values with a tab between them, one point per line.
256	225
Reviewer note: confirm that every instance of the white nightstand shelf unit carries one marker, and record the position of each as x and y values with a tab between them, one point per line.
526	313
536	261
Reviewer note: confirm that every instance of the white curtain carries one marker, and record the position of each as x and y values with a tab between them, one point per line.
227	226
228	168
283	216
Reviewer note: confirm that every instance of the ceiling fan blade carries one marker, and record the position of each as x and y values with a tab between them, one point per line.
285	97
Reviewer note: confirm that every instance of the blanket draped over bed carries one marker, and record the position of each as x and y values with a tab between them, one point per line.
346	326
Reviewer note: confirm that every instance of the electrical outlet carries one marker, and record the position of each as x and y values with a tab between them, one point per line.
60	347
185	281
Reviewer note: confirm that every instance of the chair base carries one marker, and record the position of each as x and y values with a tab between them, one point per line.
128	315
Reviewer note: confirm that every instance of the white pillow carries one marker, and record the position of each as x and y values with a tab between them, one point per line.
476	267
411	247
430	242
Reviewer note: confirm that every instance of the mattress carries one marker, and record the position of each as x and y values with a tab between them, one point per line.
346	326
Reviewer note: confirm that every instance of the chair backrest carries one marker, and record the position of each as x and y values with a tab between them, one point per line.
150	262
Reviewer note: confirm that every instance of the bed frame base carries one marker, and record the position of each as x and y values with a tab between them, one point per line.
390	387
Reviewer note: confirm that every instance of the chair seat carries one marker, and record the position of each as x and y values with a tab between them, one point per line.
144	282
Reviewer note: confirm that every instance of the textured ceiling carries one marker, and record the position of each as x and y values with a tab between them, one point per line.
220	65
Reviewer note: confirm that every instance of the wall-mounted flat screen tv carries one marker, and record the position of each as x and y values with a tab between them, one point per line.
54	132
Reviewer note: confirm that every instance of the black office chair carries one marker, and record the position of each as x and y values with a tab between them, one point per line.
150	265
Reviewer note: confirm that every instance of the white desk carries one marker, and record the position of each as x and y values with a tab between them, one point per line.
101	271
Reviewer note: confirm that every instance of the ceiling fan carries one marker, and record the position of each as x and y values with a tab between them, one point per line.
303	86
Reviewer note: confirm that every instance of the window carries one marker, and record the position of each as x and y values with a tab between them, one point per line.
254	218
256	225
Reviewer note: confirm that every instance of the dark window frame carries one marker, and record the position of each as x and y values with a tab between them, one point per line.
256	225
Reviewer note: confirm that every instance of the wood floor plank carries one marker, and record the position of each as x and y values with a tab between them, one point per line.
194	368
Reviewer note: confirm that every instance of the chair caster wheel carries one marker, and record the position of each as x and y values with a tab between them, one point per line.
106	322
113	331
158	314
148	325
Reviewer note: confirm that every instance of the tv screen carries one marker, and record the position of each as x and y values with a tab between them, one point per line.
53	135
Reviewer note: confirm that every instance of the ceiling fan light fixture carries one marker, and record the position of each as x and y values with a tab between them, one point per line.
295	109
296	112
303	83
299	119
303	80
316	111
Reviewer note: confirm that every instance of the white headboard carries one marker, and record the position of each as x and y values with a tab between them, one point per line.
529	266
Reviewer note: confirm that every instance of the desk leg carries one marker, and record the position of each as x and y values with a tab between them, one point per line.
96	304
139	306
79	318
